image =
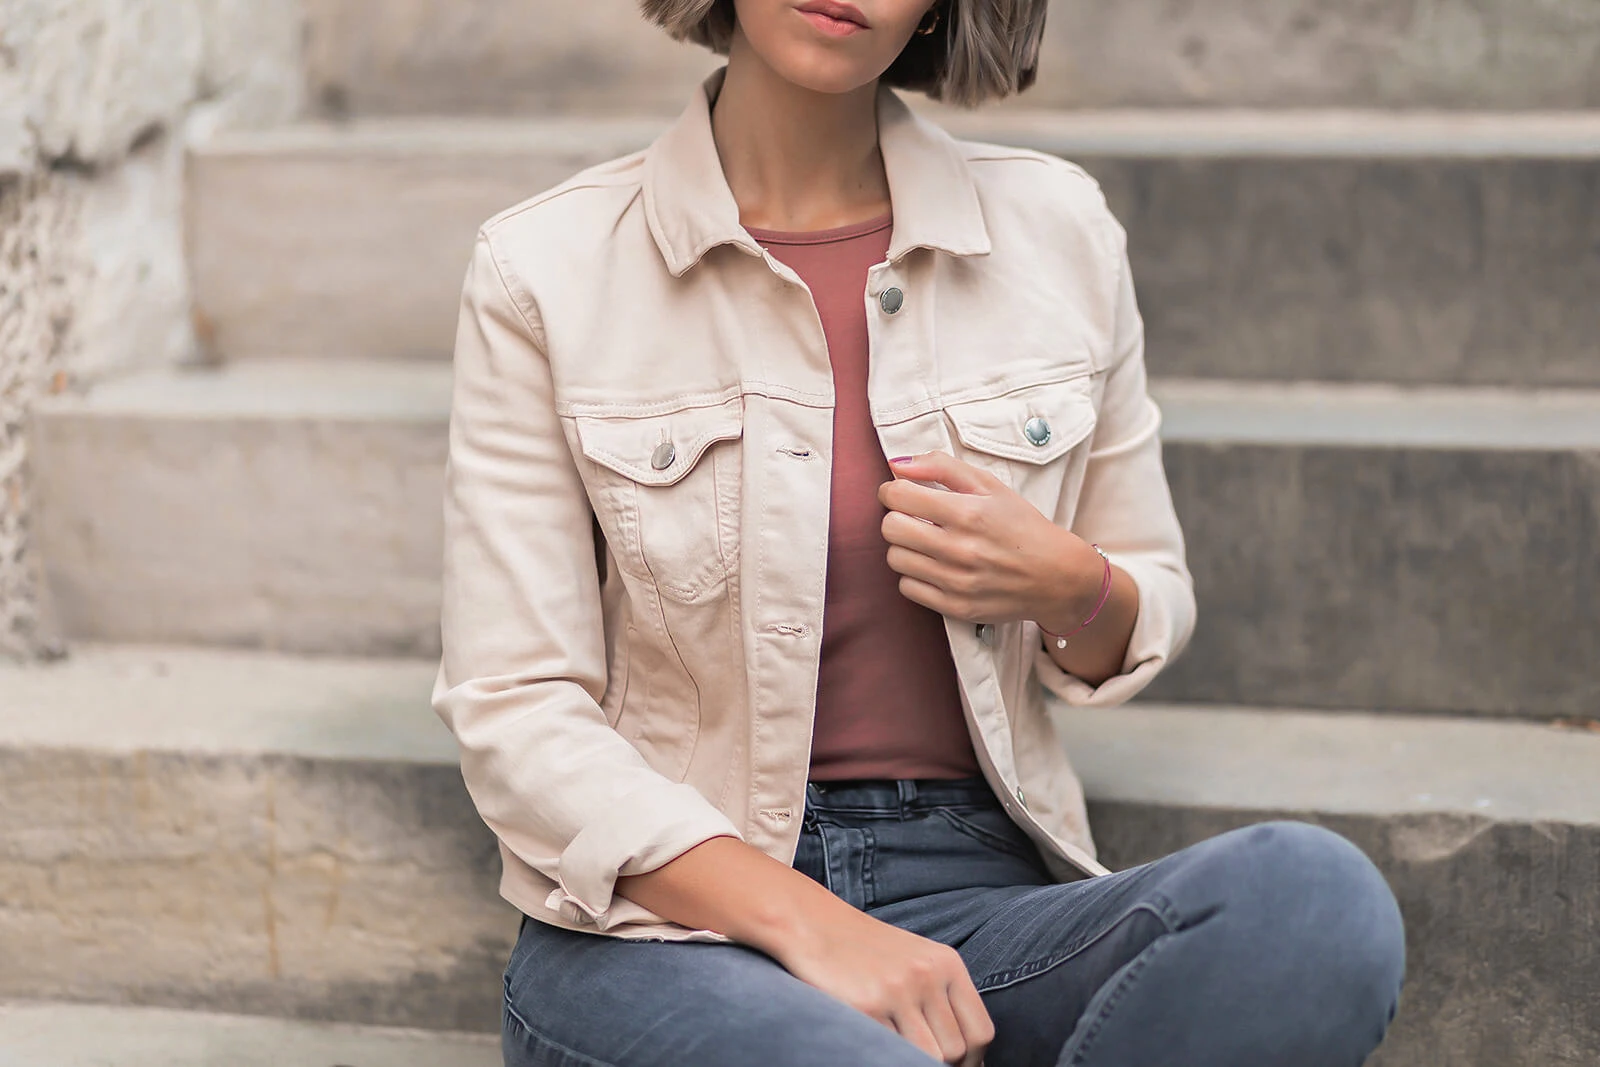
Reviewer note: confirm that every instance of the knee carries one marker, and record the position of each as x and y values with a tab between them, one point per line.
1322	907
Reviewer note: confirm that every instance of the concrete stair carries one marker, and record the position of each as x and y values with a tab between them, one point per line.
1375	338
1353	547
88	1035
527	57
1335	246
245	832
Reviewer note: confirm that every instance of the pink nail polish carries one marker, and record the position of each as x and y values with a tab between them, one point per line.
902	459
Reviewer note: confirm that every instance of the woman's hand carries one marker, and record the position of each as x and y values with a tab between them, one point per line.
978	552
916	987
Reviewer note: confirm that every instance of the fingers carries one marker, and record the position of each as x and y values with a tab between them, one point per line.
945	469
977	1029
934	1027
901	529
938	506
930	596
946	1030
914	1028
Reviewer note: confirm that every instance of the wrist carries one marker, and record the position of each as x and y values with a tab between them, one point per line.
792	926
1078	588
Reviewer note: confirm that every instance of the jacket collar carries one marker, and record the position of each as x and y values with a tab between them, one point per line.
691	210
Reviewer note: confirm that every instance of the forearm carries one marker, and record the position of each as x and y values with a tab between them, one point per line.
733	888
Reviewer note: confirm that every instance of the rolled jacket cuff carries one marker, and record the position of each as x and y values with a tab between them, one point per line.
645	830
1160	631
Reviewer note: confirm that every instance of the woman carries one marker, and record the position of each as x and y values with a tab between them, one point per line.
755	711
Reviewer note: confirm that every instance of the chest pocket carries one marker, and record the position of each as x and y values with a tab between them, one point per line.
665	490
1030	437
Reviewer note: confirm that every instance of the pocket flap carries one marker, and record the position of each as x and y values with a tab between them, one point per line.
658	450
1034	424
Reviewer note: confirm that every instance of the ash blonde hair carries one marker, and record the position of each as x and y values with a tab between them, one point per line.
980	50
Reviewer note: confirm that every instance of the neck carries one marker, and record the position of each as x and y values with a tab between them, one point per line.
795	159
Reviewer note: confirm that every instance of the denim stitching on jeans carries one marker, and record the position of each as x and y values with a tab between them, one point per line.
1125	983
987	837
1002	979
574	1058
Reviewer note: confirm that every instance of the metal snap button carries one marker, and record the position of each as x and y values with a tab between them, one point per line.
1037	431
986	633
1021	797
664	456
891	300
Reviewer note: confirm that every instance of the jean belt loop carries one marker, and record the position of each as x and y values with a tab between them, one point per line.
908	794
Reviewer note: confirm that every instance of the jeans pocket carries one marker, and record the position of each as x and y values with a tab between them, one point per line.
994	828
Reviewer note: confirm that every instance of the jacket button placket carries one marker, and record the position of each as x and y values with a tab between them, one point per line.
784	585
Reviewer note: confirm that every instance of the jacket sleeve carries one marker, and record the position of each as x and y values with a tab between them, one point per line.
524	665
1126	508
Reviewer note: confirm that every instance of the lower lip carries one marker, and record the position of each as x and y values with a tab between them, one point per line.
831	26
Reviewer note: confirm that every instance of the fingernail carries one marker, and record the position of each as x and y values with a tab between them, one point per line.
902	459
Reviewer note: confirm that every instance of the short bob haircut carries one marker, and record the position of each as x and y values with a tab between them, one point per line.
980	50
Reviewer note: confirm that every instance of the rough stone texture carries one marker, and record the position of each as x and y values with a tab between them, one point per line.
93	98
1352	548
1398	249
95	76
294	858
358	891
80	1035
1403	270
244	833
352	242
1447	580
1318	53
534	56
528	57
36	275
277	507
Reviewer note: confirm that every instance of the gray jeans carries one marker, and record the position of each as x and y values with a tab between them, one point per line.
1277	945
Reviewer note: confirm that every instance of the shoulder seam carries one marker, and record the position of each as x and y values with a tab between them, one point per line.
979	152
571	185
536	332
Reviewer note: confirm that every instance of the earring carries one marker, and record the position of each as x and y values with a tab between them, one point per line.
927	29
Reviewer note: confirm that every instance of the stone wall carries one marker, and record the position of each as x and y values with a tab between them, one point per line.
97	100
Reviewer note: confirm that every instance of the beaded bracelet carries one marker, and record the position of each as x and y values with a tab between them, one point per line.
1105	595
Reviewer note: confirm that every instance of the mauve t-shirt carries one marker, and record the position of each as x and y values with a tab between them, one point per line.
888	703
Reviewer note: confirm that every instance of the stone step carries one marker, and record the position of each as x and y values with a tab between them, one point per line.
1366	547
90	1035
246	832
533	56
1336	246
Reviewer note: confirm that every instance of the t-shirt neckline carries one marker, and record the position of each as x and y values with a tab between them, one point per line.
822	237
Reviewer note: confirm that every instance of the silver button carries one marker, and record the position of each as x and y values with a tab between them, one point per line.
664	456
891	300
1021	797
986	633
1037	431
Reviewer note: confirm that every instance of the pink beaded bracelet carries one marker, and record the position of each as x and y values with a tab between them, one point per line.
1105	595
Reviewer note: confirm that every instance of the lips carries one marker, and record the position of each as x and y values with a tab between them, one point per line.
834	18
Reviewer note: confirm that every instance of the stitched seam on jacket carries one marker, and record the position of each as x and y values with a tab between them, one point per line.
696	448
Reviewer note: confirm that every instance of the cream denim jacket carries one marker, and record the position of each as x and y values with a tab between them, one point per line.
638	491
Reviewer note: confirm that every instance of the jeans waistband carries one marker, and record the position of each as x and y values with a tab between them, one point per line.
891	796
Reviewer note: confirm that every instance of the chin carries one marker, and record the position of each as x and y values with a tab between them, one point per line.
822	71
